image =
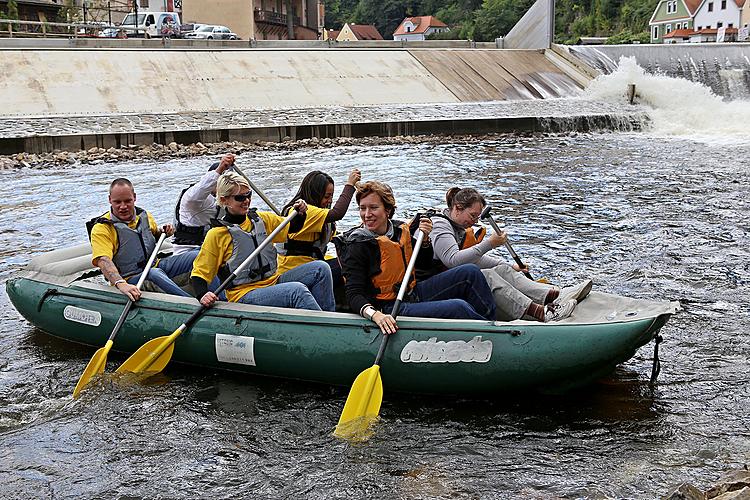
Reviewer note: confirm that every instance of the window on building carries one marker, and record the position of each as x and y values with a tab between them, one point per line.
723	4
730	25
668	29
685	25
655	33
143	4
710	6
719	24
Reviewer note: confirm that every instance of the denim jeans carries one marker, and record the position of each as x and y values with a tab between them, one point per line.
308	286
458	293
167	269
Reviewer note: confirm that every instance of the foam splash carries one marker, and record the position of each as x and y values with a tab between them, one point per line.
678	108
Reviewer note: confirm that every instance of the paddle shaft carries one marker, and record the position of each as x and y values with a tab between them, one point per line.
138	285
150	356
512	252
257	190
401	292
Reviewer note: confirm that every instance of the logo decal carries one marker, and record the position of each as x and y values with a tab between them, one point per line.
455	351
92	318
235	349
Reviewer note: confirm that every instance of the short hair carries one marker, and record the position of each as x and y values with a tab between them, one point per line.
381	189
227	183
121	181
463	198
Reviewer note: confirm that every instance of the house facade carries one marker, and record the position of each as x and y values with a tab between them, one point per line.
745	15
718	14
672	15
354	32
260	19
419	28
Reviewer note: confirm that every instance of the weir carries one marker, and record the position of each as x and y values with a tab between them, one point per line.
723	67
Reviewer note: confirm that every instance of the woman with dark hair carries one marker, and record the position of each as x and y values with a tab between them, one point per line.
455	243
374	258
310	243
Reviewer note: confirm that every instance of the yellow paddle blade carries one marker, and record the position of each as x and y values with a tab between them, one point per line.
362	405
152	356
95	367
543	280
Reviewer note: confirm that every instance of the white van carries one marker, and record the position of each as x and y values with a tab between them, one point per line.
152	24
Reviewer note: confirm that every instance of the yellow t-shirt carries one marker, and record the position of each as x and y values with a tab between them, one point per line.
104	237
217	249
314	222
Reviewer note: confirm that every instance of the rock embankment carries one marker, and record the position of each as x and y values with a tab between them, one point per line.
733	485
155	152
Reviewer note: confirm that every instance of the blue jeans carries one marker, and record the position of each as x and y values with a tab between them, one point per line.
308	286
168	268
458	293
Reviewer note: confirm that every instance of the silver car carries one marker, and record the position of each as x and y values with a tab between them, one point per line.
213	32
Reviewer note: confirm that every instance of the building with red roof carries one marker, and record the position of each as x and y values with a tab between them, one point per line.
419	28
355	32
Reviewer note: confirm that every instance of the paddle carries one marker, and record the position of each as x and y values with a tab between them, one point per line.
257	190
366	393
99	359
154	355
485	215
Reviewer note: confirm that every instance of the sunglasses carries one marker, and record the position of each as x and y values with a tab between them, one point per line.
242	197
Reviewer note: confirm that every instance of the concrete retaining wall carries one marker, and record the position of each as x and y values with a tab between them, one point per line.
43	82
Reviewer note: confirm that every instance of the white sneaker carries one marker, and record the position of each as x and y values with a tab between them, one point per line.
577	292
556	312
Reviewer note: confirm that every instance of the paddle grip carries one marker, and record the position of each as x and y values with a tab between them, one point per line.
512	252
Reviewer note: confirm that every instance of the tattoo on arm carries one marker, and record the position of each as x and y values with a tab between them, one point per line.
109	270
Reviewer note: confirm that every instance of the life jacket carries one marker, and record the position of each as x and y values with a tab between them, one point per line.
190	235
394	259
134	246
465	238
243	244
315	249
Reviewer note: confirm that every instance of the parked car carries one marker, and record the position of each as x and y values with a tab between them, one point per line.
189	28
108	32
213	32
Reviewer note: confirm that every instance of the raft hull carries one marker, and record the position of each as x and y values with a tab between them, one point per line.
428	356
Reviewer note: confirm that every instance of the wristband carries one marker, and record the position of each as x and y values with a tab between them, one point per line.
118	282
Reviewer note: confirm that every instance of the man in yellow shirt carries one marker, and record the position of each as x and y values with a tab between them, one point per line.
123	239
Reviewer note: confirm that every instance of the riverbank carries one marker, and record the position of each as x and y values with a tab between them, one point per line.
161	152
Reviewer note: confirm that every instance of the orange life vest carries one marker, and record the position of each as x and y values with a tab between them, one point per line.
394	259
470	238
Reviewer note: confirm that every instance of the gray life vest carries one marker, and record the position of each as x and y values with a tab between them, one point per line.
134	246
243	244
315	249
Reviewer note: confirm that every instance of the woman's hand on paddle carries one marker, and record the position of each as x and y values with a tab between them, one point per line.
521	269
208	299
425	225
497	240
354	177
168	229
300	206
385	322
227	161
130	291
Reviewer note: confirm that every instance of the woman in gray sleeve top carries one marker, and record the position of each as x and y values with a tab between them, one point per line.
455	242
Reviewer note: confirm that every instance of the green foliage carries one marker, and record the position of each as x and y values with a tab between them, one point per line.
485	20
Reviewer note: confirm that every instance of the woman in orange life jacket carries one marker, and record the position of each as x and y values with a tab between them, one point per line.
374	258
310	244
455	243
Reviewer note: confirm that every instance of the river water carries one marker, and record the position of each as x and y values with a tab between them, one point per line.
651	215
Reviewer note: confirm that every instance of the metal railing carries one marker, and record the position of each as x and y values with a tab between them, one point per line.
267	16
9	28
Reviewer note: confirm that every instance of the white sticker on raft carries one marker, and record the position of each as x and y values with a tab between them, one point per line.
235	349
73	313
454	351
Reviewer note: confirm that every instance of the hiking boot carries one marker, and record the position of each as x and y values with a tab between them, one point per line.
577	292
556	312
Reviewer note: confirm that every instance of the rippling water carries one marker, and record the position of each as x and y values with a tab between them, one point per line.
643	216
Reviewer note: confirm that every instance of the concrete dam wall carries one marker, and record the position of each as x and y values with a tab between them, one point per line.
99	81
724	67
